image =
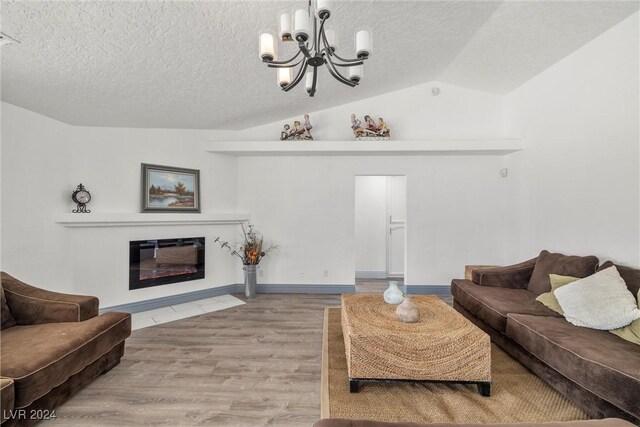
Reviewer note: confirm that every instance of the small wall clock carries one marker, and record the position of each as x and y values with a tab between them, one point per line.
81	197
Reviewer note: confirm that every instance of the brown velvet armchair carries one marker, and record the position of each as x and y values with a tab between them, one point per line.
52	345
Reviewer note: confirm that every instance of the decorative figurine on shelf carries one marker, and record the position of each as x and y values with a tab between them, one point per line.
81	197
285	132
383	129
300	131
371	131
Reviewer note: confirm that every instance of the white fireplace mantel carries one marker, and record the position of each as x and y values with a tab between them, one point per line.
123	219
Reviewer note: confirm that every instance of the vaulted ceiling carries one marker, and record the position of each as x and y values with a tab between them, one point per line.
194	64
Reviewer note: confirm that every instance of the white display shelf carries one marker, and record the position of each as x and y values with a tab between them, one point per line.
477	147
145	219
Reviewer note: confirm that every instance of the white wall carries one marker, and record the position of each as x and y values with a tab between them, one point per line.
577	181
411	113
42	162
371	225
306	205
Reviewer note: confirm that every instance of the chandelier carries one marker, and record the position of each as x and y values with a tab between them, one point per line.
316	47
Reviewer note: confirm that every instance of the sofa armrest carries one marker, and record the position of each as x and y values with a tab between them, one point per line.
7	398
513	276
30	305
469	269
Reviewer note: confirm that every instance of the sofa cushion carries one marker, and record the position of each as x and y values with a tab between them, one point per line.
492	304
630	275
6	320
599	361
550	263
56	351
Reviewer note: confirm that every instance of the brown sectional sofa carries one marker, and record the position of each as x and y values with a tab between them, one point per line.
52	345
597	370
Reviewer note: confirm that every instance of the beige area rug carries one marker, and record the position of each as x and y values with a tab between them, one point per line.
517	395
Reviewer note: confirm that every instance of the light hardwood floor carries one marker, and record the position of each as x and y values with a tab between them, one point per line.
252	365
256	364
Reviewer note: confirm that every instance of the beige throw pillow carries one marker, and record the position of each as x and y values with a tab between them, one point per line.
548	298
630	333
600	301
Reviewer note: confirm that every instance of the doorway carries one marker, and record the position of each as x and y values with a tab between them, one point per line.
380	228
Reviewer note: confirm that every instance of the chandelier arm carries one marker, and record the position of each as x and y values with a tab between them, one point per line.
327	49
304	49
284	62
331	52
285	65
334	72
315	80
295	81
348	60
321	35
351	64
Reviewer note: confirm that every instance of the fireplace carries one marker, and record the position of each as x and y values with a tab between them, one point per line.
163	261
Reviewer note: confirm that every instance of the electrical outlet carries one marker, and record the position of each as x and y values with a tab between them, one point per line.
302	275
260	273
326	273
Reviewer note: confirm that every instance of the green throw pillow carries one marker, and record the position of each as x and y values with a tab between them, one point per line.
630	333
548	298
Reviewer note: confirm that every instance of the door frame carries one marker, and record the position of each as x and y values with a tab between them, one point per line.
391	224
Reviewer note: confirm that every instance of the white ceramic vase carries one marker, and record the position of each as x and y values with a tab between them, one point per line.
393	294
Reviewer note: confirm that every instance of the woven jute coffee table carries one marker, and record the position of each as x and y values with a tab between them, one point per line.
443	346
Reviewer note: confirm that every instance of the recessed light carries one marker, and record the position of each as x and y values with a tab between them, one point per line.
5	39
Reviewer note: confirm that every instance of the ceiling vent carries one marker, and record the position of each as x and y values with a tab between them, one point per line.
5	39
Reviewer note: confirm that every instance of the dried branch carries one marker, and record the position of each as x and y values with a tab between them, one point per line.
252	248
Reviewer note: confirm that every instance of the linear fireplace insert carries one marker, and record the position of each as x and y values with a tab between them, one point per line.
163	261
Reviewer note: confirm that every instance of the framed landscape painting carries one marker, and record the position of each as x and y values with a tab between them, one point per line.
169	189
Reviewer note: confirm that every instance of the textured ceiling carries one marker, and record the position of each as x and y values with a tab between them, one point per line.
522	39
194	64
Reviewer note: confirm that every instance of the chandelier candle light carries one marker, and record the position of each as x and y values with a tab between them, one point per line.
317	45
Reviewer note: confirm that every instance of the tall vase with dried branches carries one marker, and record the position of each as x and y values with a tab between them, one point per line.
250	250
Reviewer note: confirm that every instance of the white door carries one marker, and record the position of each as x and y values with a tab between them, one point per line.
396	224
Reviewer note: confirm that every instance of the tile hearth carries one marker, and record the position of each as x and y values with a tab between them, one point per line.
158	316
